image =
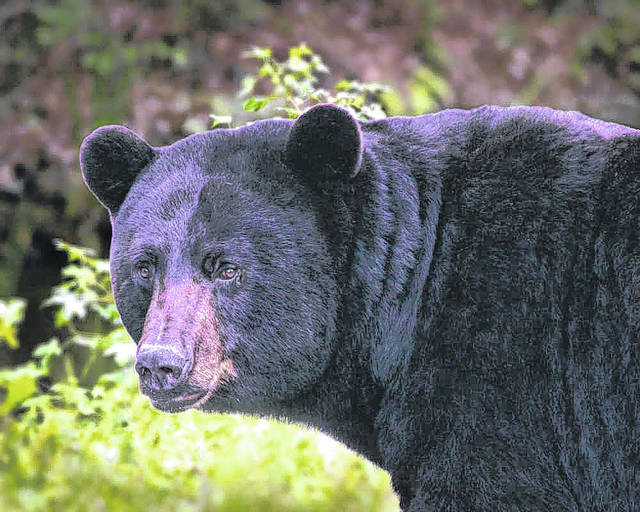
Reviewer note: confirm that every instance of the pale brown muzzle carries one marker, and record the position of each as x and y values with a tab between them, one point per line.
180	344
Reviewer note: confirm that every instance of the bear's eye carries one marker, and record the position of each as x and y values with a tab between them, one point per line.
144	270
228	272
214	268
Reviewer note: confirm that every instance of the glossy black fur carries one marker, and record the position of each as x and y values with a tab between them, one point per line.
460	302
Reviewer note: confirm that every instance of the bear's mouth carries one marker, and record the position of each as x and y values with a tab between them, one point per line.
179	403
191	395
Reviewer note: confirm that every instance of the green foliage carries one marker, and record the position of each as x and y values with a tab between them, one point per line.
86	288
18	384
220	15
11	314
612	40
292	84
615	40
102	447
426	90
114	61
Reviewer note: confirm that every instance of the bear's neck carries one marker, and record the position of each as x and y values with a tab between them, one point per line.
343	403
393	214
396	212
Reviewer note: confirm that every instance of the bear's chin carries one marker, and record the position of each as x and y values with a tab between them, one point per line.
179	403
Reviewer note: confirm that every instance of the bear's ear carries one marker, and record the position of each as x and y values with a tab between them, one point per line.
325	144
111	158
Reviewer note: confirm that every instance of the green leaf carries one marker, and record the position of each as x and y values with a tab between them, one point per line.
83	276
179	57
123	353
320	96
254	104
91	341
75	253
74	396
220	120
107	311
297	64
344	85
300	51
290	81
20	383
318	65
11	314
269	69
71	304
46	352
115	337
101	267
292	113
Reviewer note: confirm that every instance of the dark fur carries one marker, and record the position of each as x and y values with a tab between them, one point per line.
464	311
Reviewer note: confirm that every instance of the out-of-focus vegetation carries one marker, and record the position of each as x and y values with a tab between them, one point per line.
113	63
294	82
69	443
615	42
612	39
11	313
291	87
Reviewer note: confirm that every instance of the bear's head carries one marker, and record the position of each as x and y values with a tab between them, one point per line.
221	256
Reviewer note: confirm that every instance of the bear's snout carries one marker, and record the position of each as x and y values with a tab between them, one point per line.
160	368
181	360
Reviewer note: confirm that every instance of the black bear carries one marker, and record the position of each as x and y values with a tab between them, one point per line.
456	296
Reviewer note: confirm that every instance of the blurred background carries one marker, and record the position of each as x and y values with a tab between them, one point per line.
162	66
74	432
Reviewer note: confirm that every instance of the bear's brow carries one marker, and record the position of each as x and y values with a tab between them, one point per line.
144	248
139	250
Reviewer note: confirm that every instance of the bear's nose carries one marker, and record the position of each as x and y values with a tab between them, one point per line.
160	368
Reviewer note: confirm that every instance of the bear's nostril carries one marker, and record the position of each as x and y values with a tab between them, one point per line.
160	367
142	370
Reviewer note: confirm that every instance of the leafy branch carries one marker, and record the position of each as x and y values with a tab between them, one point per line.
292	85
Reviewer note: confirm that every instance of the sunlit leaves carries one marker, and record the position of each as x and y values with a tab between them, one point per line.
70	305
107	448
85	287
426	89
11	314
19	383
118	345
293	86
46	352
254	104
